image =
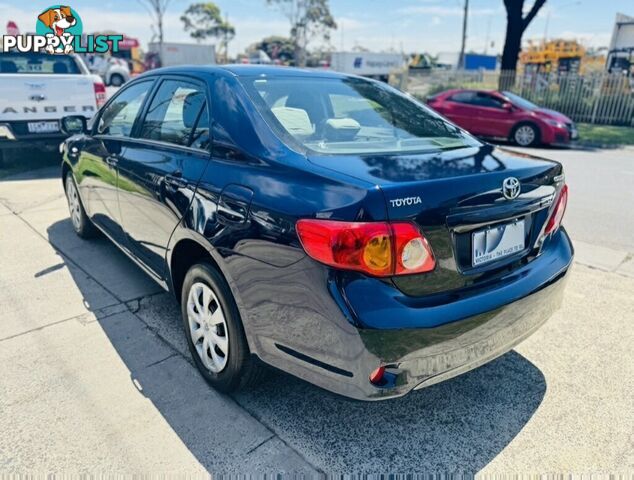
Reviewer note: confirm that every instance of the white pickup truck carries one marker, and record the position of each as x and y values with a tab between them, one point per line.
37	90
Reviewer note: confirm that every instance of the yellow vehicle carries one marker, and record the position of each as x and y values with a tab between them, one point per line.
420	61
130	50
553	56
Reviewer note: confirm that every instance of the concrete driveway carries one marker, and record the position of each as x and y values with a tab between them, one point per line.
96	377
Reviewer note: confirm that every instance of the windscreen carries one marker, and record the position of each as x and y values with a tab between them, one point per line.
351	116
38	63
519	101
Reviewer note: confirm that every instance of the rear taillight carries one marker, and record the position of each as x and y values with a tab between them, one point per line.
558	212
100	94
380	249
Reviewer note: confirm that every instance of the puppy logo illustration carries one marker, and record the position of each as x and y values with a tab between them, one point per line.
59	21
58	30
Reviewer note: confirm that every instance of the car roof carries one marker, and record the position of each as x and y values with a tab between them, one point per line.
248	71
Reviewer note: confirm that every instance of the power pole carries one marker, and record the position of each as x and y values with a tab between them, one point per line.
464	34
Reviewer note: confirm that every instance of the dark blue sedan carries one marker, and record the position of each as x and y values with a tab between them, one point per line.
327	225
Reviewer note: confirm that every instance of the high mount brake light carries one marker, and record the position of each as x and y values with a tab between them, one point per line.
558	212
380	249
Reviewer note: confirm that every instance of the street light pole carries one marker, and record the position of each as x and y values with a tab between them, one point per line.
464	34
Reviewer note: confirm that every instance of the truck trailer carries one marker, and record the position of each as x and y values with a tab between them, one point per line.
367	64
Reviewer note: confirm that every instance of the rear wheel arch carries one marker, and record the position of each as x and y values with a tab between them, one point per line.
186	250
66	169
185	254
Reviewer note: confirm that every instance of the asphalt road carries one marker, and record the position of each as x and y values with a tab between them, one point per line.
601	208
96	376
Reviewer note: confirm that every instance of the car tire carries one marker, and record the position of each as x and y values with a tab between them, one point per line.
116	80
82	225
214	331
526	135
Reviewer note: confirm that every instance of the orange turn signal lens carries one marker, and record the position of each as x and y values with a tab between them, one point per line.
380	249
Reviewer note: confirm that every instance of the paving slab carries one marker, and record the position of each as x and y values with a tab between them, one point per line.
34	190
68	403
585	422
109	395
598	256
98	256
38	286
5	210
627	267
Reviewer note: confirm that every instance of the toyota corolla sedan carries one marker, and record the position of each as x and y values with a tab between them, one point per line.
326	225
506	116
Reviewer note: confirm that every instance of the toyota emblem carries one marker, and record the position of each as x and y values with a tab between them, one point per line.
511	188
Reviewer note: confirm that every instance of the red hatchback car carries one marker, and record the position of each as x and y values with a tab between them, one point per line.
504	115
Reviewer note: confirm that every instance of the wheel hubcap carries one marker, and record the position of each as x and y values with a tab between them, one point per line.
73	202
208	327
525	135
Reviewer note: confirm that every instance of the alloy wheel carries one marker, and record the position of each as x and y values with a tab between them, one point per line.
208	327
525	135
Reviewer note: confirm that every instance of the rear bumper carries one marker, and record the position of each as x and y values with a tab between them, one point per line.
419	345
16	135
444	352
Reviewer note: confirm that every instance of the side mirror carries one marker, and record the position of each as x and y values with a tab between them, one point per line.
507	106
74	124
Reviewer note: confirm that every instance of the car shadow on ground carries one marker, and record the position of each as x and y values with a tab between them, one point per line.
463	422
29	164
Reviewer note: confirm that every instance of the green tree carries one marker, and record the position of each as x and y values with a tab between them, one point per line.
308	19
204	20
276	47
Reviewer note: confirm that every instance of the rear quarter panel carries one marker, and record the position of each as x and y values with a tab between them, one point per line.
284	297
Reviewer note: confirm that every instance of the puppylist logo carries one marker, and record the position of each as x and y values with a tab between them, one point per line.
59	29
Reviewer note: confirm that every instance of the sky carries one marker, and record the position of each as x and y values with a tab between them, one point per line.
432	26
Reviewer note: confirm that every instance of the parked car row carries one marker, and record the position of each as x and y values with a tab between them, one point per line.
504	116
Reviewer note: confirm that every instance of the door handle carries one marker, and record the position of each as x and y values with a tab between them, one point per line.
176	180
112	160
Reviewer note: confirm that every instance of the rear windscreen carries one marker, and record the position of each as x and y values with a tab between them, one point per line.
38	63
350	115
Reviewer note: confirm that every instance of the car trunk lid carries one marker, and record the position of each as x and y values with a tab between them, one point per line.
453	194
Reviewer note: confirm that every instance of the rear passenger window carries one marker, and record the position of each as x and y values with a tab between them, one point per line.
464	97
178	114
485	100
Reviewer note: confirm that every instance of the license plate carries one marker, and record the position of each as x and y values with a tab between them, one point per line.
43	127
497	242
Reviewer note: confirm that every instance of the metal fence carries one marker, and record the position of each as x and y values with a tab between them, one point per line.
598	97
